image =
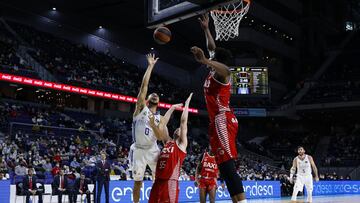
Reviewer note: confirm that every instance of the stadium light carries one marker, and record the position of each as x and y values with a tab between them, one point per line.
100	27
54	8
77	90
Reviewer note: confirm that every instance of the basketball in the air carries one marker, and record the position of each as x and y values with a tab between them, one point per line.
162	35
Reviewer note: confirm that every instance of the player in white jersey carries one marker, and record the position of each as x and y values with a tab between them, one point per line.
302	165
144	150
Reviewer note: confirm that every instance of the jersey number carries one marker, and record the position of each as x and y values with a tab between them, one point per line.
147	130
162	164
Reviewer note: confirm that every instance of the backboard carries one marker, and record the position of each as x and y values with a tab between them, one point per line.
165	12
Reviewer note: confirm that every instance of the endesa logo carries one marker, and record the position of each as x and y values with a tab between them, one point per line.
121	191
336	187
254	189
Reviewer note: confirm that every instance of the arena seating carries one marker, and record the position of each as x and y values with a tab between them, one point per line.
79	65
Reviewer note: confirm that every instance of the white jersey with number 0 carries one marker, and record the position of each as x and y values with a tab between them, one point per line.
303	166
142	133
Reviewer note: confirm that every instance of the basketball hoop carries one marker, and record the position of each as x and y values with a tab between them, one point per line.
227	19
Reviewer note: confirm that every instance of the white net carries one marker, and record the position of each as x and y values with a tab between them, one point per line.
227	19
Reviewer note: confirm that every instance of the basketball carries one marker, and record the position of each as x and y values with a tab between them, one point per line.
162	35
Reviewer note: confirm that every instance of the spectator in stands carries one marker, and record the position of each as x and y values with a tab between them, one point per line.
20	169
183	176
30	188
61	185
48	166
56	169
3	177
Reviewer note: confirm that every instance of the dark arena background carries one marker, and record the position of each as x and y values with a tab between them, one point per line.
71	70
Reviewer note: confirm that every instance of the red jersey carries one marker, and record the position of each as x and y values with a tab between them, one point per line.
170	161
209	168
223	126
217	96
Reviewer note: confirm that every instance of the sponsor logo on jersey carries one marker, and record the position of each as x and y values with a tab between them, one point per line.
209	165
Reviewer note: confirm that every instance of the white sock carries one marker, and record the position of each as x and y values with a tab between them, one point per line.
294	195
242	201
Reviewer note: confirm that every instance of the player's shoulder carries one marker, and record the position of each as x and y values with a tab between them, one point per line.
142	112
309	156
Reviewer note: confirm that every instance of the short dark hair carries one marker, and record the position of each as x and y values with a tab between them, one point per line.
223	55
298	147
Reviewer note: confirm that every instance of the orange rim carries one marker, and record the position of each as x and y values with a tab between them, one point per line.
234	11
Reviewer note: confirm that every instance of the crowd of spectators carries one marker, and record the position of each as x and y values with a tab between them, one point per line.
344	147
47	152
79	65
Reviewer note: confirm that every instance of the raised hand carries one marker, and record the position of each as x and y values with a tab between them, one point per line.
188	100
204	21
152	120
176	106
198	54
151	59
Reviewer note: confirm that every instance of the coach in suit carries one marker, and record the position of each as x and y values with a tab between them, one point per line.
103	178
61	185
82	187
30	188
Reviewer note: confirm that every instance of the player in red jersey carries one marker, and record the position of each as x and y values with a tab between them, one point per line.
206	177
223	125
166	186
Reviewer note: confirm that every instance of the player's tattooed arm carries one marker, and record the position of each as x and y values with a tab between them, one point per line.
141	98
221	69
204	23
159	132
293	170
313	166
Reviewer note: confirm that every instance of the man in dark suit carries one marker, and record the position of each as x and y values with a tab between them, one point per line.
81	187
103	178
30	188
61	185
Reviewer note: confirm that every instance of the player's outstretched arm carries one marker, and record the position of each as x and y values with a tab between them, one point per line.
293	170
183	142
198	170
160	133
165	119
141	98
204	23
313	166
221	69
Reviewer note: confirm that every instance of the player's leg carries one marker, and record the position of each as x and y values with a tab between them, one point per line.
226	127
233	181
151	158
212	193
202	192
138	169
154	193
309	187
299	185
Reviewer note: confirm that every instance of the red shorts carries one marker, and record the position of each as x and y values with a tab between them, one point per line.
164	191
207	183
223	132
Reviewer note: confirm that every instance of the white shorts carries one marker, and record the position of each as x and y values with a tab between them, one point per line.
140	158
304	180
